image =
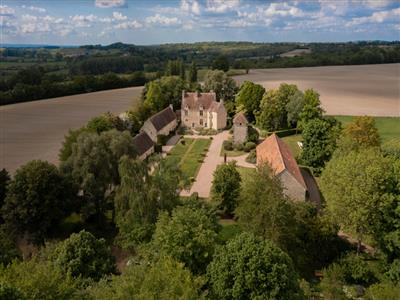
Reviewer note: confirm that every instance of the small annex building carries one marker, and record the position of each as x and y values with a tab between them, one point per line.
202	110
282	162
162	123
143	145
240	128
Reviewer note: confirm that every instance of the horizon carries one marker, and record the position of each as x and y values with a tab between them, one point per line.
145	23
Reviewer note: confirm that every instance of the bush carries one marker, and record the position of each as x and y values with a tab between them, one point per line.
183	142
356	270
252	157
157	148
228	146
249	146
239	147
252	135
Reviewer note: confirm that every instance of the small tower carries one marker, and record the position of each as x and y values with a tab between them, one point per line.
240	125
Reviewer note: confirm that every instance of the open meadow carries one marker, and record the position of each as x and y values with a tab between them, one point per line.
345	90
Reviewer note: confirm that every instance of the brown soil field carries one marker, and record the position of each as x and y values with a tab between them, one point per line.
345	90
35	130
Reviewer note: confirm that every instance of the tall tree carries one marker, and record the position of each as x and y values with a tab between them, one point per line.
264	210
224	87
355	187
93	165
294	108
319	142
83	255
363	131
193	72
273	111
312	108
225	188
189	236
249	98
220	63
163	279
154	96
37	199
248	267
141	196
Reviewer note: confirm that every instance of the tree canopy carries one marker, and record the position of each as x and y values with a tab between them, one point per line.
141	196
248	267
83	255
189	235
38	197
225	188
355	187
249	98
220	63
224	86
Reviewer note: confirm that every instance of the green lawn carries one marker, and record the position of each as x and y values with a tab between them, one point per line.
388	127
291	141
232	153
189	155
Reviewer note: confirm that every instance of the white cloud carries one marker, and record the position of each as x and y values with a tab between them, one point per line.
129	25
162	20
34	8
190	6
376	17
221	6
82	20
240	23
6	10
283	10
109	3
377	3
118	16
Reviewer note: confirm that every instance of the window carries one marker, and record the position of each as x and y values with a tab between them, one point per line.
201	113
186	113
201	121
192	124
205	124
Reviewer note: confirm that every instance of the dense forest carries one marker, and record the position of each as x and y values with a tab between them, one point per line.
37	73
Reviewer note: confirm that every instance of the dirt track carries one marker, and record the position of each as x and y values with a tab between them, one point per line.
35	130
345	90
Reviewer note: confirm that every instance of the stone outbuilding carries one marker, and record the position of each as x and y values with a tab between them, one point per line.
202	110
240	128
143	144
162	123
282	162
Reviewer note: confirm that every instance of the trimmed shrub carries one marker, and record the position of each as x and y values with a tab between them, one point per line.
228	146
162	139
249	146
239	147
252	157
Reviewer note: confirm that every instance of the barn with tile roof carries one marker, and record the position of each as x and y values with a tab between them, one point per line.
162	123
282	162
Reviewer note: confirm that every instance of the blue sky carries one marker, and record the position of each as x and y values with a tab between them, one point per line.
77	22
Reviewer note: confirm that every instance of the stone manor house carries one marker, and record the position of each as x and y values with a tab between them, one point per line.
202	110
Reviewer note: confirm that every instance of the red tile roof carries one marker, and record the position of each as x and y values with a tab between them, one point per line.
274	151
240	118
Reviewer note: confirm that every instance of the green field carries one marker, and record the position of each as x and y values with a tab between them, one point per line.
244	172
189	156
388	127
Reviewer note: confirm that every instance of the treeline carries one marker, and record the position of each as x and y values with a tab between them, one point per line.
36	85
101	65
372	55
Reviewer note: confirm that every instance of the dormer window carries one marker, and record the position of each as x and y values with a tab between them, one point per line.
201	112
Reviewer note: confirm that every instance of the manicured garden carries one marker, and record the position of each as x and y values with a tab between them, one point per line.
189	155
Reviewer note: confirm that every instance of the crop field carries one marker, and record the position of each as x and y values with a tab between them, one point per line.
35	130
345	90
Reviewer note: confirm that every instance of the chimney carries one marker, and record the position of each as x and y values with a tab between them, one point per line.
198	94
184	94
172	107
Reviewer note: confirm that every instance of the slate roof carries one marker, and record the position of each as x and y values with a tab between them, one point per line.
142	143
240	118
163	118
195	100
274	151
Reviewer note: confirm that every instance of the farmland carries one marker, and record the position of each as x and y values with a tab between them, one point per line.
345	90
